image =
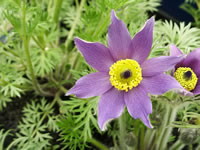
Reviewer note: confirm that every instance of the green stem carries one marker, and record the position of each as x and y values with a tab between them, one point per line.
26	41
97	144
190	147
153	141
177	145
162	127
78	15
57	10
26	47
58	85
122	131
55	99
142	139
149	138
198	147
38	43
198	3
168	130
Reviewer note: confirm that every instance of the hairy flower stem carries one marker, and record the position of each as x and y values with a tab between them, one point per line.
97	144
26	41
190	147
168	130
57	10
142	138
177	145
149	139
162	127
122	131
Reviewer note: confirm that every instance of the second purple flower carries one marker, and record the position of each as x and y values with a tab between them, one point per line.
187	71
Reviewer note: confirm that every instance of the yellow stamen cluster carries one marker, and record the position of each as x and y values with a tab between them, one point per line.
125	74
186	77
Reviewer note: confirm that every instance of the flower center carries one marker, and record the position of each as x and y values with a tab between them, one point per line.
125	74
186	77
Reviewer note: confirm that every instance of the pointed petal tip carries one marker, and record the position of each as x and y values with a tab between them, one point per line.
151	21
103	126
149	125
77	40
142	42
112	11
147	122
67	94
172	45
113	15
175	51
70	92
119	38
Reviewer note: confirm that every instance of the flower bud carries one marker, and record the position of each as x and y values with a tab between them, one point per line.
188	135
130	139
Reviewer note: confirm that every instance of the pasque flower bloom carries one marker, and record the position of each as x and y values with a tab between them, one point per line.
124	75
187	71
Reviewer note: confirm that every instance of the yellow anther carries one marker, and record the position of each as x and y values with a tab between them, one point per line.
125	74
186	77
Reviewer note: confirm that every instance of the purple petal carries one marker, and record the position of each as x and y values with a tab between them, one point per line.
160	84
96	54
139	105
93	84
193	61
174	51
111	105
155	66
196	91
119	38
142	42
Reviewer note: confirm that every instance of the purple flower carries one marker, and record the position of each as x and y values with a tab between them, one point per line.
124	76
187	71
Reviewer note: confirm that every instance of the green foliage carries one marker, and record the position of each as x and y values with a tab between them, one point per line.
38	56
3	136
33	129
188	6
11	80
3	101
45	60
185	37
78	122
